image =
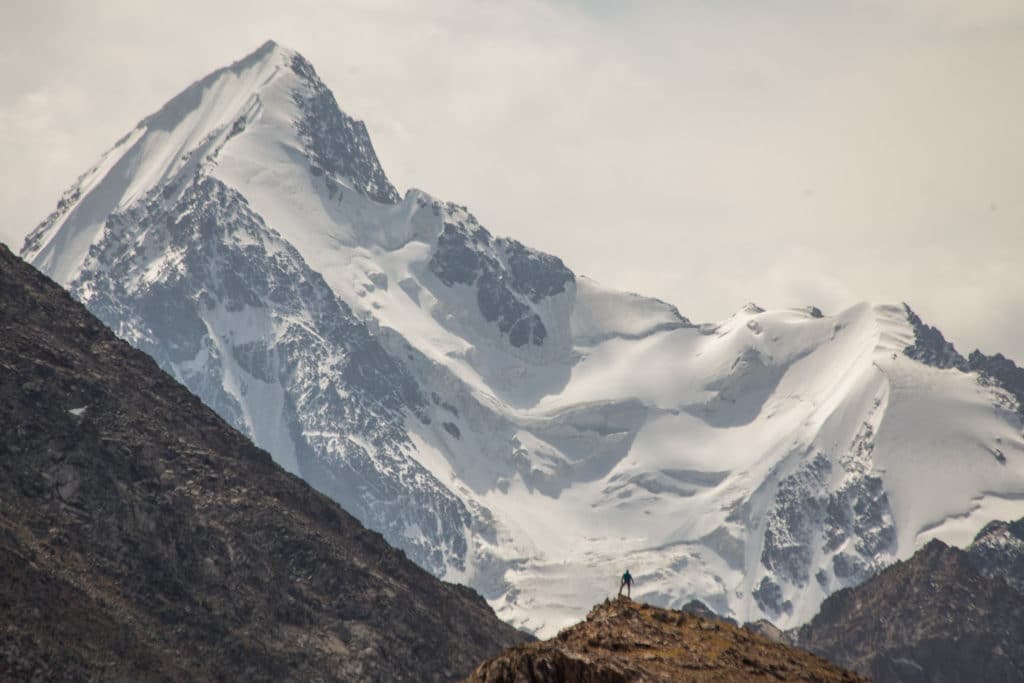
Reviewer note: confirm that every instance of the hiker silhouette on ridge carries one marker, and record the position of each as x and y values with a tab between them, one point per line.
627	581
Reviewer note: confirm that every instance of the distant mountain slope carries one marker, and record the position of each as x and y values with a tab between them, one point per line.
505	421
142	538
931	347
623	641
931	618
998	551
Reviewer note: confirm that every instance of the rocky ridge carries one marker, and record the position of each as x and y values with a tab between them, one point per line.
931	618
998	551
932	348
624	641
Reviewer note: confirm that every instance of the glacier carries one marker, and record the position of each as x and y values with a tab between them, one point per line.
506	422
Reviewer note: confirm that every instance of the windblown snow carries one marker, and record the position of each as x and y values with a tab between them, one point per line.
508	423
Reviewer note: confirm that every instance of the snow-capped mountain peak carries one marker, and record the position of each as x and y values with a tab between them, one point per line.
505	421
274	86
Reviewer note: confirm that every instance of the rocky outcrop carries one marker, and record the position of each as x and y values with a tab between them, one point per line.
1003	372
931	348
625	641
509	278
933	617
998	551
763	627
338	147
852	523
699	609
142	538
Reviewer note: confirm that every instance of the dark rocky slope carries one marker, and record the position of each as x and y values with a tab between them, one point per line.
933	617
625	641
142	538
998	551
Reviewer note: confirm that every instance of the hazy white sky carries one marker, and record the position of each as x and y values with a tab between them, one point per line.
709	153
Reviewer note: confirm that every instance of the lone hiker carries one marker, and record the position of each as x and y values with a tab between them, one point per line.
627	581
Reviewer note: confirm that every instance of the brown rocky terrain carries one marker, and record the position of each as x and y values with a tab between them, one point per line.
626	641
933	617
143	539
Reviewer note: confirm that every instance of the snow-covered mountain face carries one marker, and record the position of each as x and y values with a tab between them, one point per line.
504	421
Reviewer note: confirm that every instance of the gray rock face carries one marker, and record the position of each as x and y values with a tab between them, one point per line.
930	347
1002	371
851	522
698	608
768	630
768	595
342	393
998	551
508	277
337	145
